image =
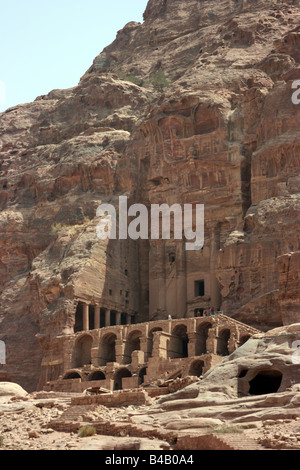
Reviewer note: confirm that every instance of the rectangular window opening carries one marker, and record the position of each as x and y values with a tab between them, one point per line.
199	288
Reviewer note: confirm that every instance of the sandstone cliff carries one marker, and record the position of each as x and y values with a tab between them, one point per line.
192	106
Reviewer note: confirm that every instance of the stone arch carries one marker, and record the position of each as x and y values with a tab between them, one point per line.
97	375
119	374
132	344
72	374
178	345
201	342
107	349
82	351
222	342
196	368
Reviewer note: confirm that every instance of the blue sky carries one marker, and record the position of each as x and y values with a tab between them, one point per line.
49	44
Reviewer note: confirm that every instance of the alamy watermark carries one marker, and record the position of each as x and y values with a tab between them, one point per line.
296	94
188	222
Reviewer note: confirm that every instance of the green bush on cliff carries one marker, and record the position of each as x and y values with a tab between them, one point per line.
159	80
56	228
70	229
130	78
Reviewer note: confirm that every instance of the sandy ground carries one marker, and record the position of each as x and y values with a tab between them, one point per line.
24	425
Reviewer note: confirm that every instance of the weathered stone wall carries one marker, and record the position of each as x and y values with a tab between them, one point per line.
133	397
128	356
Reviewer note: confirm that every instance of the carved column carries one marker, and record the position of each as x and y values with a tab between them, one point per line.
192	344
181	276
160	344
144	347
97	317
211	342
85	319
214	285
118	318
120	346
157	276
233	341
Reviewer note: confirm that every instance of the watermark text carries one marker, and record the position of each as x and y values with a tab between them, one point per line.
134	223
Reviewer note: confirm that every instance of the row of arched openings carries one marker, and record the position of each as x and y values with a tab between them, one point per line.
177	345
264	382
196	369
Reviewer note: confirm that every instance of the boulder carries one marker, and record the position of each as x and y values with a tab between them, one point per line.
11	389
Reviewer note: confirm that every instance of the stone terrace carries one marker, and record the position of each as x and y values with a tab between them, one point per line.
125	357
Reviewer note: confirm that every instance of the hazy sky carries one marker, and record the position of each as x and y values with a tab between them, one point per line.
49	44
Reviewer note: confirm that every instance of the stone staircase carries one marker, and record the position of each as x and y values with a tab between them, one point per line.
238	442
218	442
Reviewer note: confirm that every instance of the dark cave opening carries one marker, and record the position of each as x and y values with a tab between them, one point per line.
266	381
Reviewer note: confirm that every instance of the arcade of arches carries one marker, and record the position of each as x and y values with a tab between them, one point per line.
127	356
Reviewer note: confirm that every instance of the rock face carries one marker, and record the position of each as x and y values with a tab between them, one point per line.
194	106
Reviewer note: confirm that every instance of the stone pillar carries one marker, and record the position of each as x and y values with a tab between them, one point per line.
233	341
97	317
160	344
118	318
107	317
214	285
85	320
181	279
157	276
192	345
137	358
128	317
120	346
211	343
94	356
144	344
